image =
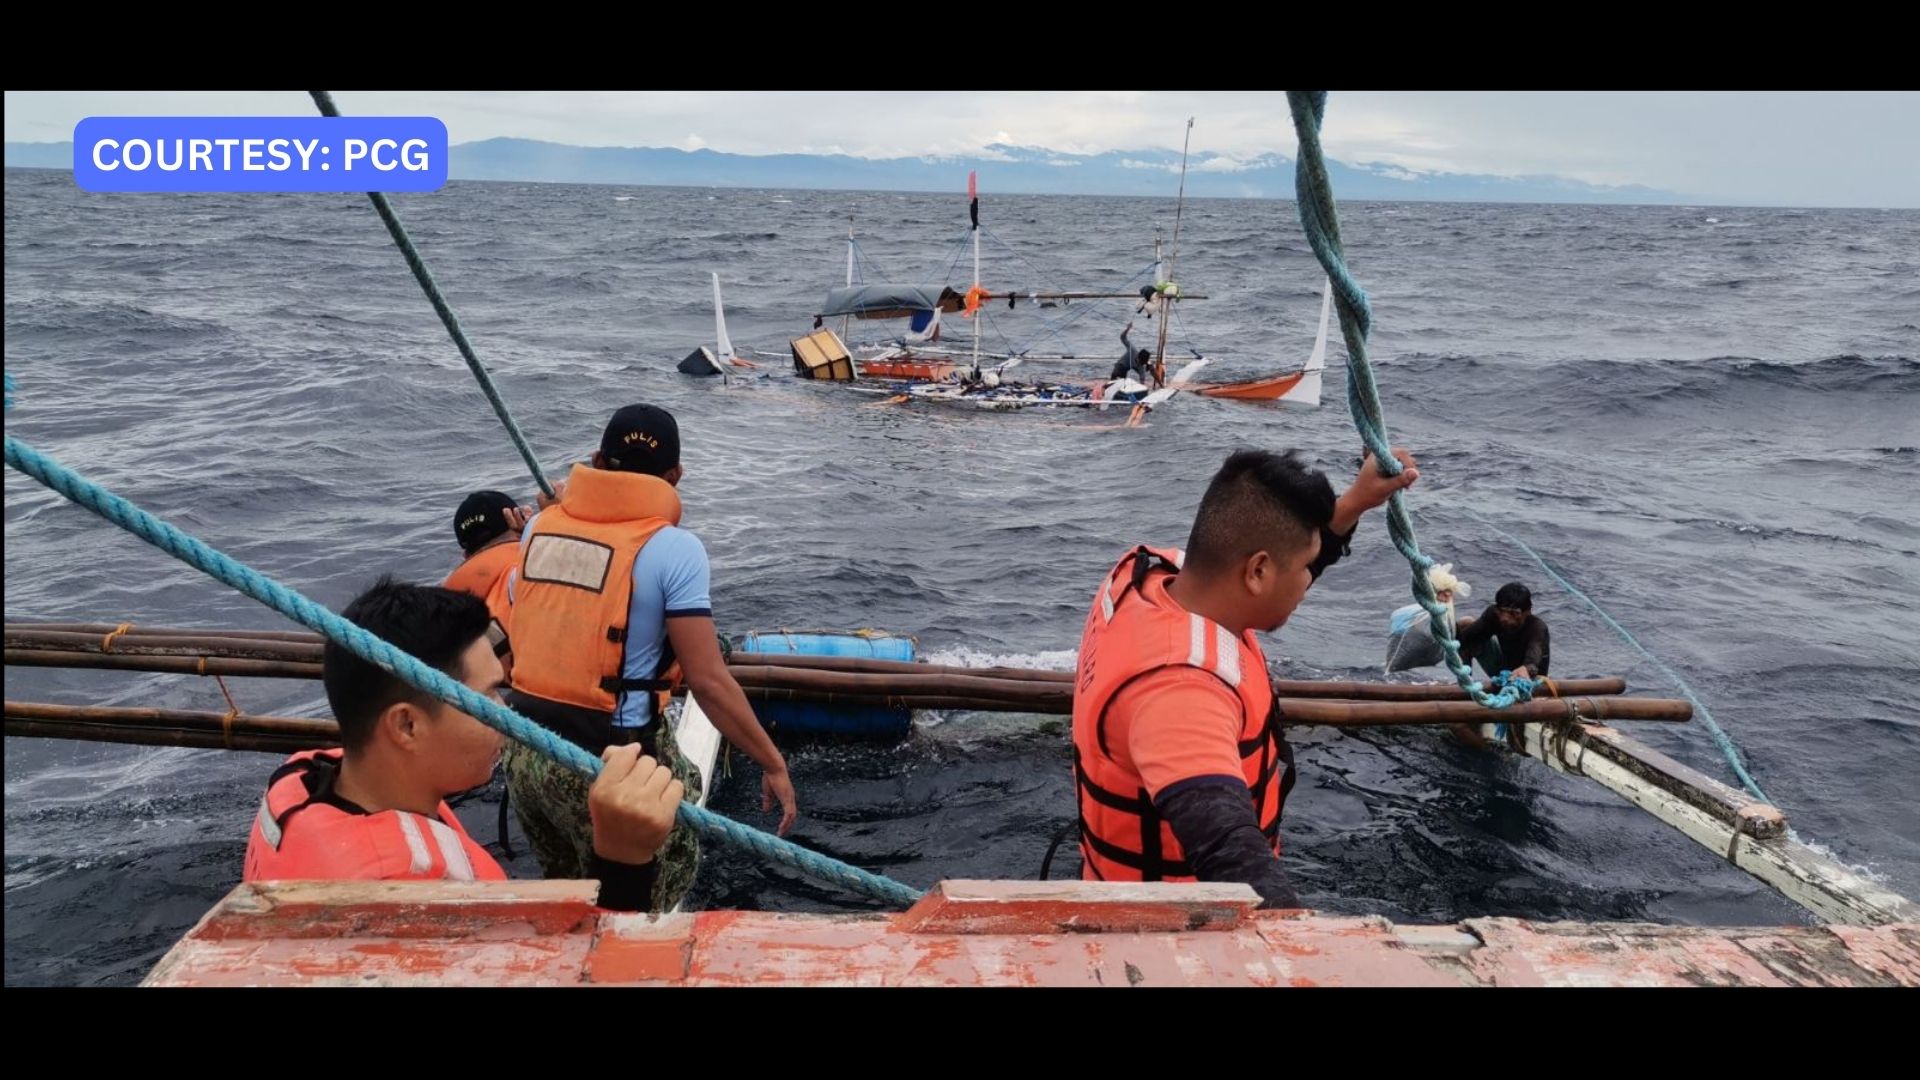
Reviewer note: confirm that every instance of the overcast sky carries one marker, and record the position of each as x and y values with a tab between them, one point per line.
1798	148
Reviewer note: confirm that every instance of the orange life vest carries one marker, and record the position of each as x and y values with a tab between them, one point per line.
298	835
573	587
1134	629
484	574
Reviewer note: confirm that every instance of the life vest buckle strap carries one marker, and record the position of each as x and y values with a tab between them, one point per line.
1144	562
1151	868
613	684
1113	800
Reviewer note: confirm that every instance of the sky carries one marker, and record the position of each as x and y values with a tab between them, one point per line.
1786	148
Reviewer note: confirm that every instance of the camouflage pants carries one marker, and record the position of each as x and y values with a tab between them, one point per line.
551	801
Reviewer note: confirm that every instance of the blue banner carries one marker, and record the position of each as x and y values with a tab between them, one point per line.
260	153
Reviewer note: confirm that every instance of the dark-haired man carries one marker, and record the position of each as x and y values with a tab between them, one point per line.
1133	364
375	809
610	612
487	527
1179	762
1508	636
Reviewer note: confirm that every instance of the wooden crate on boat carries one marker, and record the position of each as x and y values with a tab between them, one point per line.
822	355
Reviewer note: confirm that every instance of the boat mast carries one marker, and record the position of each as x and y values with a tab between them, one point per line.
1167	301
973	211
846	319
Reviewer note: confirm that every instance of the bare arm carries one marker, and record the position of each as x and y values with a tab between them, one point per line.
1535	654
1370	489
697	647
1536	657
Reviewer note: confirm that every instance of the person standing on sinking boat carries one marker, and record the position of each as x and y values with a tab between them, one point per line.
1135	365
1179	763
1153	301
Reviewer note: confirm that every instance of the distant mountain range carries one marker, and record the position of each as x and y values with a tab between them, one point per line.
1003	169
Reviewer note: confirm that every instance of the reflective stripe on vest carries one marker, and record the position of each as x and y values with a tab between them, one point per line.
299	833
1133	630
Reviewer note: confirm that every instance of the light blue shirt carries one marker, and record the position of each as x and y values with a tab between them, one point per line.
670	578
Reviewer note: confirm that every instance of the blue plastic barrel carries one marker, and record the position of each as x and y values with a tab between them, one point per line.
817	718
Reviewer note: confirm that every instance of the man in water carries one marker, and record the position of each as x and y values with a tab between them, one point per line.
1508	636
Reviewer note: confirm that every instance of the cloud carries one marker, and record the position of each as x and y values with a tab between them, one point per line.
1223	164
1701	142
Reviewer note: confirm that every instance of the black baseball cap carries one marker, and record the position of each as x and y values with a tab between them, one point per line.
479	519
642	439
